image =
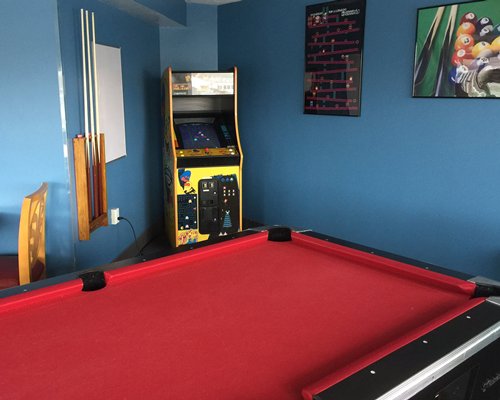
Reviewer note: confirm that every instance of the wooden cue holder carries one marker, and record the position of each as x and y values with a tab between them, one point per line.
91	195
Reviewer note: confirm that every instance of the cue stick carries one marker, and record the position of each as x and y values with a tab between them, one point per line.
444	57
85	112
97	175
91	95
423	60
98	132
92	127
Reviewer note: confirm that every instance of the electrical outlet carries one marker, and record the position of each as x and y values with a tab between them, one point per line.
114	214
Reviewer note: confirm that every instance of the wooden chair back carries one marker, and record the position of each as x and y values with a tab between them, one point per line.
31	247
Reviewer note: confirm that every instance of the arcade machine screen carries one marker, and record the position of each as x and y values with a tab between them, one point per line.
198	136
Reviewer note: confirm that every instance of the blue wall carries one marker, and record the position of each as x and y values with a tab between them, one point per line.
31	139
133	182
193	47
411	176
33	134
416	177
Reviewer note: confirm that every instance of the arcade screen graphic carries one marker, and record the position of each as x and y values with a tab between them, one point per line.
457	51
333	57
198	136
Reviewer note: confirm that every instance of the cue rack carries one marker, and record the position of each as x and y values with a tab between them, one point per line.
89	148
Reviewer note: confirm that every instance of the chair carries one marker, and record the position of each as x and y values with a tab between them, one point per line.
29	264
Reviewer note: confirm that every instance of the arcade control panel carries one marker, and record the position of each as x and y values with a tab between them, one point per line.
208	152
219	205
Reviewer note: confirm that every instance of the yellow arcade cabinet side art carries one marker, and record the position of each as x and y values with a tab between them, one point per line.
202	157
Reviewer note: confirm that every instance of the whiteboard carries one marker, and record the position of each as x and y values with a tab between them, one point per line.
110	92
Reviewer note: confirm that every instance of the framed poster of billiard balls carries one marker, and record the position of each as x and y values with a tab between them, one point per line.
457	51
333	57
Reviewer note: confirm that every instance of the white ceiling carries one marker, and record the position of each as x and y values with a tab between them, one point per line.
212	2
136	9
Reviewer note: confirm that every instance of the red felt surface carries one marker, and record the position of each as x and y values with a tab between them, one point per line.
250	319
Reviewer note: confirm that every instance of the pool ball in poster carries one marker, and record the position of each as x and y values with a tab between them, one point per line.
333	57
457	52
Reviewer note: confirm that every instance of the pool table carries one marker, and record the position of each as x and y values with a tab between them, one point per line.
268	314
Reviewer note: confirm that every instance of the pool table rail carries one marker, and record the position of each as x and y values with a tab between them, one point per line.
461	356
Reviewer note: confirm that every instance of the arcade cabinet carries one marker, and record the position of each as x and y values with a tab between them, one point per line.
202	157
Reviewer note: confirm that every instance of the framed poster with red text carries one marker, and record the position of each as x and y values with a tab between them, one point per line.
334	57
